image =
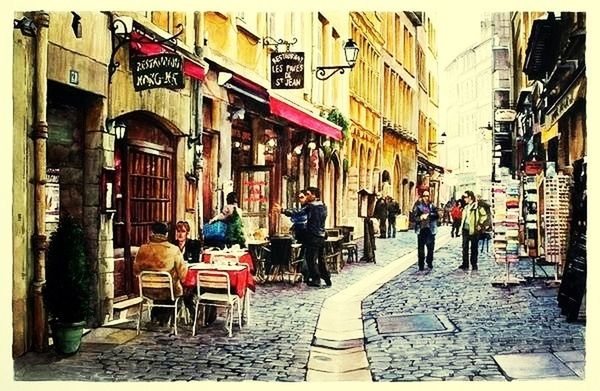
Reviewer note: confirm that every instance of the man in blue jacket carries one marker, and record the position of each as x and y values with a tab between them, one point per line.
425	217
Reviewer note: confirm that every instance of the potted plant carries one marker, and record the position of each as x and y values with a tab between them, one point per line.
67	293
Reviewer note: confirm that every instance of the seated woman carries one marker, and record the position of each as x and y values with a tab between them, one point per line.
190	248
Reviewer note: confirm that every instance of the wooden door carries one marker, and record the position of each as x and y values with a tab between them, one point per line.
147	197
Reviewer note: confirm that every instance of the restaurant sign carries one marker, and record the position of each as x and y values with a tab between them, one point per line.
287	70
505	115
164	70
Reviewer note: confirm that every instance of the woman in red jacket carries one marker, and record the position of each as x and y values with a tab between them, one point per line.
456	214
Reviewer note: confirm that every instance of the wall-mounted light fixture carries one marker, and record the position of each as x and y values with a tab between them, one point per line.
298	149
116	128
351	54
268	41
121	29
326	143
76	25
238	114
26	25
443	136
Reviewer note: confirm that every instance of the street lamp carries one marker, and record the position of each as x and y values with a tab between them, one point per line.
350	52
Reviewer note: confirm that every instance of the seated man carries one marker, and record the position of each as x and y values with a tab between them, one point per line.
160	255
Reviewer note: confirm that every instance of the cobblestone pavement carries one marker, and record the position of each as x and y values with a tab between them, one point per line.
275	347
488	320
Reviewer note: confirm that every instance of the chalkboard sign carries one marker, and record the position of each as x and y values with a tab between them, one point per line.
163	70
287	70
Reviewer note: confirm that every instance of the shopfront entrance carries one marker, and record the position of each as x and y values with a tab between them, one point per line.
145	187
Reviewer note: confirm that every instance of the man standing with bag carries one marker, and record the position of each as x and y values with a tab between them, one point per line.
425	216
393	210
473	219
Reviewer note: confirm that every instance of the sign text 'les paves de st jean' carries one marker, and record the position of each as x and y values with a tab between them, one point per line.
164	70
287	70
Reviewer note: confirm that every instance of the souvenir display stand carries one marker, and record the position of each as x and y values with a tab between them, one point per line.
556	220
505	202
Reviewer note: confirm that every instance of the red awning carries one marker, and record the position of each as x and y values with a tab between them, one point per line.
142	44
304	119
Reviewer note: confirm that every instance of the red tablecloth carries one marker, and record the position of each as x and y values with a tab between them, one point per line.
240	279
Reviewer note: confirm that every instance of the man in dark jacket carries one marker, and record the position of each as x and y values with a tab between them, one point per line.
393	210
381	214
316	213
425	217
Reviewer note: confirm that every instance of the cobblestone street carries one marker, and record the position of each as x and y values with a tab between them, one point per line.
276	345
488	321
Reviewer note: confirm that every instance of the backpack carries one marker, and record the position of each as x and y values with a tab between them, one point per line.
486	222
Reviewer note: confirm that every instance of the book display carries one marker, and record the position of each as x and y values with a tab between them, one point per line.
505	204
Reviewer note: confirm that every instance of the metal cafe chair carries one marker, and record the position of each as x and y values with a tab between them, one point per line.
348	245
283	259
214	289
154	284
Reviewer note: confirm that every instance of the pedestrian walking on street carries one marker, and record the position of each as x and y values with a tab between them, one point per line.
316	213
393	210
381	213
456	214
473	220
425	217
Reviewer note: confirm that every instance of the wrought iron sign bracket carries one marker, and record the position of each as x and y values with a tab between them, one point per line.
325	72
121	36
269	41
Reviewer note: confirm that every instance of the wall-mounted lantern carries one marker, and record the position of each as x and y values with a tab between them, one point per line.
350	52
115	128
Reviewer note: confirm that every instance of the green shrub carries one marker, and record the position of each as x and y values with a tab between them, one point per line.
67	293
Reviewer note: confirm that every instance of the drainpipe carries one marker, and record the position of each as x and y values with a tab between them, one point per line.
197	91
40	136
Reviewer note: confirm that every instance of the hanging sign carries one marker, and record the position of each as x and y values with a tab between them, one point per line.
505	115
164	70
287	70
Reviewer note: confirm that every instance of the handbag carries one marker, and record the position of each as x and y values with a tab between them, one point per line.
215	231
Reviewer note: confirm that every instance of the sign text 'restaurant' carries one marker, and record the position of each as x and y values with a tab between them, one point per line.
287	70
163	70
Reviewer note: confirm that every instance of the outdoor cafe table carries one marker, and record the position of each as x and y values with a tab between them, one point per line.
239	276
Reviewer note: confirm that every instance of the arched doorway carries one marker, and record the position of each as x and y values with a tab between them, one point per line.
331	190
362	168
396	183
144	188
